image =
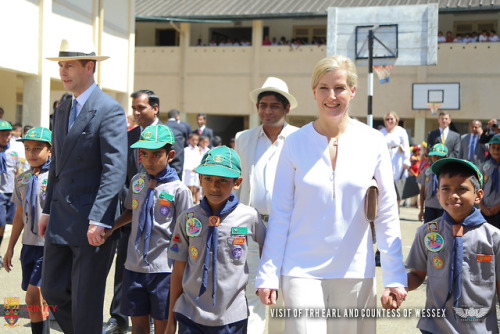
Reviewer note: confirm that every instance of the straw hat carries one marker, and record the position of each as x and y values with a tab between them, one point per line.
276	85
77	49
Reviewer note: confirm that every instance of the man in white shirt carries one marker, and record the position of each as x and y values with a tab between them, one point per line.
470	147
445	136
259	150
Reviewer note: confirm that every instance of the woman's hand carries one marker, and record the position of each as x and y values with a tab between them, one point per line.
267	296
392	298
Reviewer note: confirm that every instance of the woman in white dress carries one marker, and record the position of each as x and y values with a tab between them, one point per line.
318	246
398	145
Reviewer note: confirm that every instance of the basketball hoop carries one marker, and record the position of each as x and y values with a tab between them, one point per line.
433	107
383	73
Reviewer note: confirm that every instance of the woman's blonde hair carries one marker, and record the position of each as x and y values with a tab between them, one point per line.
393	114
334	63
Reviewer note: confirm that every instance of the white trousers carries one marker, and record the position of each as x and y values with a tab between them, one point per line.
332	294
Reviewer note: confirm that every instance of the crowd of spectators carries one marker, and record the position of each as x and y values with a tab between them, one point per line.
473	37
294	43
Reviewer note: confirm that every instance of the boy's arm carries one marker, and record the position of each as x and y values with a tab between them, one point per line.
17	227
124	219
175	292
415	279
422	201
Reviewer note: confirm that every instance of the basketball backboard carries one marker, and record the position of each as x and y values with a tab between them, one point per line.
446	94
403	35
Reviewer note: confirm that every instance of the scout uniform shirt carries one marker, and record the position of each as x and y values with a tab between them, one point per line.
426	179
170	199
188	245
14	165
431	253
19	198
493	198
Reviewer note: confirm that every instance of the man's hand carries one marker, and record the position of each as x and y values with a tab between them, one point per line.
421	215
96	234
267	296
42	225
7	260
392	298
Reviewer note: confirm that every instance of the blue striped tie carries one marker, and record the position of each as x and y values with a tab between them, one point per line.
72	114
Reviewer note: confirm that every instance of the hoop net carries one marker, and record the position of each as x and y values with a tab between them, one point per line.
383	73
433	107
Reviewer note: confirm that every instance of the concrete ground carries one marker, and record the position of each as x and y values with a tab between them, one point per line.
10	286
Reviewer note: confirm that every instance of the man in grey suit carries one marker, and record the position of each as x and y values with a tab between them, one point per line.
89	152
445	135
470	147
259	149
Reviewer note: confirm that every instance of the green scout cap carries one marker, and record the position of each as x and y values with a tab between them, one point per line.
154	137
220	161
438	165
439	150
495	139
38	134
4	125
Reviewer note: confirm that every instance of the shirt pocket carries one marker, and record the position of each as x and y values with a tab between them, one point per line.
236	251
481	268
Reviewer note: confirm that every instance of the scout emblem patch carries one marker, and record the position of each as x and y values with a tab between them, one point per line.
177	238
19	181
484	258
432	227
487	166
434	241
138	185
26	179
44	185
193	227
426	179
14	155
218	158
174	248
164	210
194	252
239	241
239	230
135	204
213	221
189	215
438	262
237	252
428	171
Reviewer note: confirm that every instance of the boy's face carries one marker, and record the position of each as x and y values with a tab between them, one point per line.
5	136
155	161
37	152
436	158
193	141
17	132
217	189
457	197
495	151
204	142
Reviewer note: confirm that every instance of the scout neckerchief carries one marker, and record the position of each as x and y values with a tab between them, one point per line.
457	252
212	239
31	193
3	159
494	177
147	212
434	184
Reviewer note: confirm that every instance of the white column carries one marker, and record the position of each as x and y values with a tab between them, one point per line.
257	32
184	38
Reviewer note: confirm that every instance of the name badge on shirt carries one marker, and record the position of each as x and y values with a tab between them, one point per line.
239	230
484	258
239	241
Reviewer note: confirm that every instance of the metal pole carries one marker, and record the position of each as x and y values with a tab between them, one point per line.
369	119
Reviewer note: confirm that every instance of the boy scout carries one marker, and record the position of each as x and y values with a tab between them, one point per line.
210	248
490	205
29	197
154	201
10	165
428	184
458	253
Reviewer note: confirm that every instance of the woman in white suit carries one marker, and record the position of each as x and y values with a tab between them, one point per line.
398	144
318	248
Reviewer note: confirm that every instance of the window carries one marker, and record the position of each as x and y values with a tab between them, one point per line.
463	27
167	37
308	33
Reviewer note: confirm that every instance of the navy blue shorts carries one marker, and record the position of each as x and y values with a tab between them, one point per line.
31	263
146	294
187	326
7	209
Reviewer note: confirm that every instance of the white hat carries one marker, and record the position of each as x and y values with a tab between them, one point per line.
276	85
76	50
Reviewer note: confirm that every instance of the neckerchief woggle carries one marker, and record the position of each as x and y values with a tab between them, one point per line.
212	240
457	253
3	159
494	176
147	211
31	199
